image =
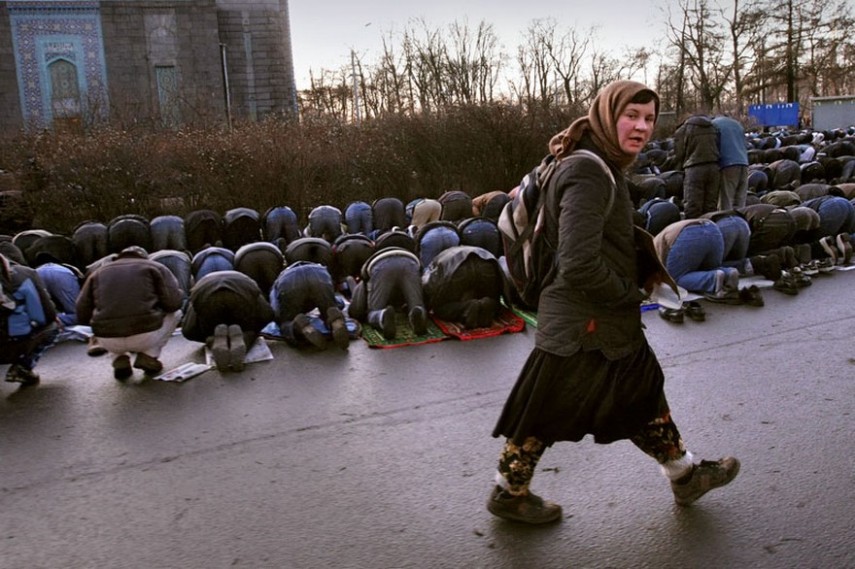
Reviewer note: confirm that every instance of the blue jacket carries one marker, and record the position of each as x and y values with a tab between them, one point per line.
732	146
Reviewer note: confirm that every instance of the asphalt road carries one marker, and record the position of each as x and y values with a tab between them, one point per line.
383	458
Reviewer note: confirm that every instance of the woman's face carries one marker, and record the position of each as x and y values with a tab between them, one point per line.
635	126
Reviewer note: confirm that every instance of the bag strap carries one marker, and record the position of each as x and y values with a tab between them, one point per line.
613	186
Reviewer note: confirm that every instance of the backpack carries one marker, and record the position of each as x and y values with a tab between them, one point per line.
530	257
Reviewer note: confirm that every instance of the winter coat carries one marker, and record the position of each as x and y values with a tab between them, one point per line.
594	300
696	142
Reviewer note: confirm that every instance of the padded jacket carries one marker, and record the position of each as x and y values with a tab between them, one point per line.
128	296
594	301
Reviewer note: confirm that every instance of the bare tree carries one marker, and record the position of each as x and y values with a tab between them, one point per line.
745	28
699	42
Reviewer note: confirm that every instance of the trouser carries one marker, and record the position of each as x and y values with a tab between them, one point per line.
734	187
700	190
148	343
659	439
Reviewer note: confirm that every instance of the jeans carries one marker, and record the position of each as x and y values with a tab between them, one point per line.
660	214
167	232
358	218
736	234
212	259
299	289
481	232
696	257
836	215
434	240
280	223
324	222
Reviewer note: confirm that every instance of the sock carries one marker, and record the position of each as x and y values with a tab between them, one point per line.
677	468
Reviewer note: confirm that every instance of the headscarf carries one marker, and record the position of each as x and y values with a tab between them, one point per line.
601	123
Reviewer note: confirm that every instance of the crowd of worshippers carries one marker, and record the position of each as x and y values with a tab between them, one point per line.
721	202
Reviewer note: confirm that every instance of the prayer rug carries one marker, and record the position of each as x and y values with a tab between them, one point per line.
505	323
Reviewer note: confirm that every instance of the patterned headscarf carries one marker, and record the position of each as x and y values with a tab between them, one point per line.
601	122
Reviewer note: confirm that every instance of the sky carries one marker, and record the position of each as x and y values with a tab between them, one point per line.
324	33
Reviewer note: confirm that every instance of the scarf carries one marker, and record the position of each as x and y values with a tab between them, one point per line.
601	123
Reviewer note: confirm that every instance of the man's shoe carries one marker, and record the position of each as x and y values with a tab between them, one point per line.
303	324
811	268
786	284
694	310
149	365
704	477
751	296
799	277
725	296
237	348
220	347
122	368
22	375
674	315
338	327
387	323
528	509
825	266
418	320
844	248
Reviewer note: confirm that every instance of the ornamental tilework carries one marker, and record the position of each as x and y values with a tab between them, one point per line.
44	33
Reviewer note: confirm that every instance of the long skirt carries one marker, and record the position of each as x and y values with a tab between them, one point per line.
560	398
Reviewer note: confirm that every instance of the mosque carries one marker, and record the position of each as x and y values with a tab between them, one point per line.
70	64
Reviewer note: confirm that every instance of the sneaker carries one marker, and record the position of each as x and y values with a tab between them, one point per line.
237	348
338	326
528	509
828	245
704	477
800	278
309	332
387	322
220	347
418	320
149	365
844	248
825	266
811	268
122	368
786	284
22	375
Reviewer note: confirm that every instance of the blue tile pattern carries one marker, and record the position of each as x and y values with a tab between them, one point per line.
43	32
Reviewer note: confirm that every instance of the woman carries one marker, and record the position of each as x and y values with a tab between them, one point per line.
591	370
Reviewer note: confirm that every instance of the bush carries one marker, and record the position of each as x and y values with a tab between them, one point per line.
70	177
